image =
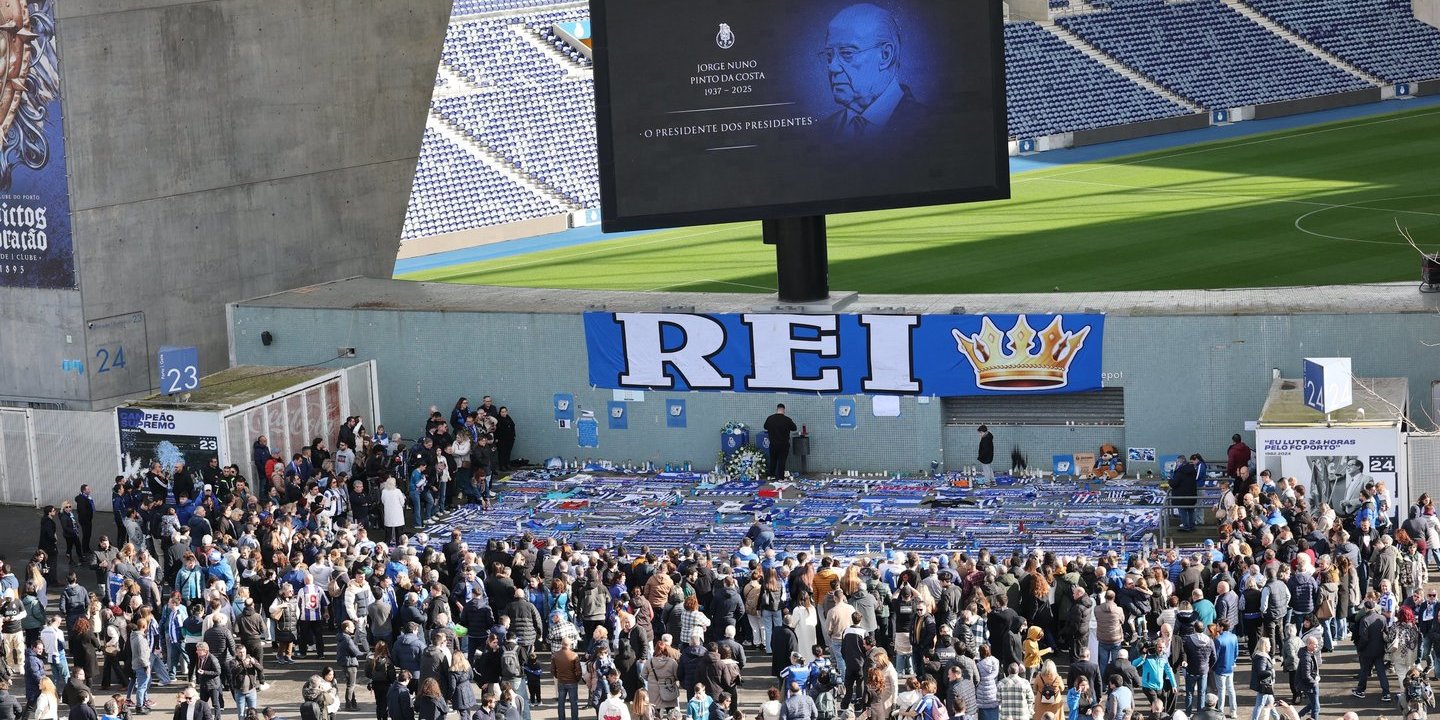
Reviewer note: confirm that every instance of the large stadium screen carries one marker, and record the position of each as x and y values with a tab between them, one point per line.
729	110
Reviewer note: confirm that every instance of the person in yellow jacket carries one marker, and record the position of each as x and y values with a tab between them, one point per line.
1034	654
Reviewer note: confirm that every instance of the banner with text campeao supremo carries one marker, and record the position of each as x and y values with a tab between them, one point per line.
168	437
879	354
36	247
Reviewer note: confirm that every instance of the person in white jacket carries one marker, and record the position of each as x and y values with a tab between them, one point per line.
614	707
393	501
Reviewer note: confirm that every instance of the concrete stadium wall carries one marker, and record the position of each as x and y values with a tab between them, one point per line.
1318	103
39	331
1427	11
218	151
1141	129
1190	381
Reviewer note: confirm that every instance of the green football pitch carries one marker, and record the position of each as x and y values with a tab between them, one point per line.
1311	206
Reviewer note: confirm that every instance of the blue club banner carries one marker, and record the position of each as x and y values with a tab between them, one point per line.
937	355
36	250
844	413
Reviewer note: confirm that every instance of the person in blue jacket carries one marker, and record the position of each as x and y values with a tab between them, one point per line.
417	493
1157	680
1227	650
401	703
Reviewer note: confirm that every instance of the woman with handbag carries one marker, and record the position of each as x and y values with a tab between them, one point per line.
381	674
116	634
285	611
662	677
1262	679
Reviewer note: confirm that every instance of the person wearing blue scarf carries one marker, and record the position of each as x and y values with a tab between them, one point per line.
417	493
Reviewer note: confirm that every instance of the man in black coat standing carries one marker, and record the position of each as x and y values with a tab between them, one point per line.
726	608
85	510
779	426
986	456
49	540
782	642
1183	488
1369	638
1005	633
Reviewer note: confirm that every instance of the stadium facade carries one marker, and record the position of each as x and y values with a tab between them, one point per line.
213	151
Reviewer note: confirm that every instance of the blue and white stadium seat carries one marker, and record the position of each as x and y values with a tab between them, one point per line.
1381	37
1208	52
455	191
1053	87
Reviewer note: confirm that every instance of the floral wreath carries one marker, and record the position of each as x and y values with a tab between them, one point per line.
747	463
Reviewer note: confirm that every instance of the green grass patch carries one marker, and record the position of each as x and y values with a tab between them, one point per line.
1309	206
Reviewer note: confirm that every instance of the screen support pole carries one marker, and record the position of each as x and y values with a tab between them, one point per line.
801	263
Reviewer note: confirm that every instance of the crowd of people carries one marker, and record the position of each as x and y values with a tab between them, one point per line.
209	583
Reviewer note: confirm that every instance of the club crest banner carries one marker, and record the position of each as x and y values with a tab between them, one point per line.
937	355
36	250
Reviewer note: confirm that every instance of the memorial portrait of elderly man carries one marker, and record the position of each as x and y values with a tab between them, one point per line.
862	55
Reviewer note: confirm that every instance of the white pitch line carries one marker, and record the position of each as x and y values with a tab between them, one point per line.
1356	205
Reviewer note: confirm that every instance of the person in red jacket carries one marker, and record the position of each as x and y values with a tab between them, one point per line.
1237	456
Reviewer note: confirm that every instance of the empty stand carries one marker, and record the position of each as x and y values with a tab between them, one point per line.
1381	37
1053	88
476	7
454	190
1208	53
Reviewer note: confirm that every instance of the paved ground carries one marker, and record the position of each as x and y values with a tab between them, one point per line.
19	532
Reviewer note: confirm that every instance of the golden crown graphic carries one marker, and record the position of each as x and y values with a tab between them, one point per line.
1002	365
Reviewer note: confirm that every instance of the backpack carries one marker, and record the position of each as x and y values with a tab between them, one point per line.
1325	607
769	599
827	679
510	664
584	601
1050	692
825	706
311	710
937	709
